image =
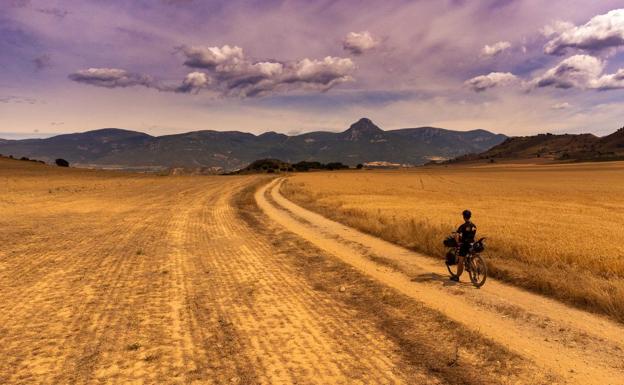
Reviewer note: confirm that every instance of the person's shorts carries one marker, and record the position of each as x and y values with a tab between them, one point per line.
463	249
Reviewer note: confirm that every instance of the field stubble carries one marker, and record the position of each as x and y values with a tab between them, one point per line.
551	229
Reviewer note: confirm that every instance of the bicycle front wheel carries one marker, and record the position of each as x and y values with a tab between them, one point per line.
478	271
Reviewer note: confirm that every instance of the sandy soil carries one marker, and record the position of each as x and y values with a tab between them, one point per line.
580	347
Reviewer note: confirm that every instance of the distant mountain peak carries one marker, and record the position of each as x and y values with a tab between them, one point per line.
363	128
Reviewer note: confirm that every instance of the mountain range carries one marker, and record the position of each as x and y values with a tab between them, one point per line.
362	142
579	147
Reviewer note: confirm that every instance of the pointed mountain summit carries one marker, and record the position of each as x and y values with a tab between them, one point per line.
363	129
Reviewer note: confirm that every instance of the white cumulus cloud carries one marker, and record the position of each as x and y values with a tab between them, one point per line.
601	32
495	49
210	57
359	42
580	71
576	71
236	75
611	81
193	82
491	80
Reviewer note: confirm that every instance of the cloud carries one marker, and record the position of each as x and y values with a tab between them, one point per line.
601	32
580	71
556	28
324	73
112	78
491	80
235	75
359	42
561	106
211	57
229	73
576	71
611	81
495	49
194	82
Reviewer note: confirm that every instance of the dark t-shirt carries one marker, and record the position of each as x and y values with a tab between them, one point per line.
467	232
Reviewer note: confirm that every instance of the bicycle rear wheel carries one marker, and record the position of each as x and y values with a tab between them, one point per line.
478	271
452	269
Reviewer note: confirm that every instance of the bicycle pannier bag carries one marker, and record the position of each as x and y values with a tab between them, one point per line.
450	258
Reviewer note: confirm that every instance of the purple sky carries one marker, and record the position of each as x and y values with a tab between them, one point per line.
165	66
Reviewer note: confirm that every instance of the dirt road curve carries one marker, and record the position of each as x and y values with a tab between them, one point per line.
580	347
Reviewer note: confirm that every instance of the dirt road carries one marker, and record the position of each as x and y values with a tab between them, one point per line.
580	347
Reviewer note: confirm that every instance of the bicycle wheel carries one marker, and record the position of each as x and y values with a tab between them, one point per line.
452	269
478	271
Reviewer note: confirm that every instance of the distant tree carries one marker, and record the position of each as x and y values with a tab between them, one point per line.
359	166
24	158
61	163
336	166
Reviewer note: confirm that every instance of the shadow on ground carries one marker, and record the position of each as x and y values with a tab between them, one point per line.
435	277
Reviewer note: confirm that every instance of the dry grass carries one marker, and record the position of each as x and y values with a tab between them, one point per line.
554	229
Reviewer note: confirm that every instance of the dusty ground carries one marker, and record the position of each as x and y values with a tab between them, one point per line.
117	278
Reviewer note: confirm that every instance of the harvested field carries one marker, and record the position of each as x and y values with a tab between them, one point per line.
553	229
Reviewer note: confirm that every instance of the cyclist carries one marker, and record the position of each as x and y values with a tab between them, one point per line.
464	237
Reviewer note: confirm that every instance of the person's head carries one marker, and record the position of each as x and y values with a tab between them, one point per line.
466	214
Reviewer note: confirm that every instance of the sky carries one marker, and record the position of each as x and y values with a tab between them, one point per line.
517	67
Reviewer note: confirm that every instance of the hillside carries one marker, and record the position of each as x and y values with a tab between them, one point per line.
362	142
554	147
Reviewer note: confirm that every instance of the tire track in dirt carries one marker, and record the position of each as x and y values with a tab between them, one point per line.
581	347
286	330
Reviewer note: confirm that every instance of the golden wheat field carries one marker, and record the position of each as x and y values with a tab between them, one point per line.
555	229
